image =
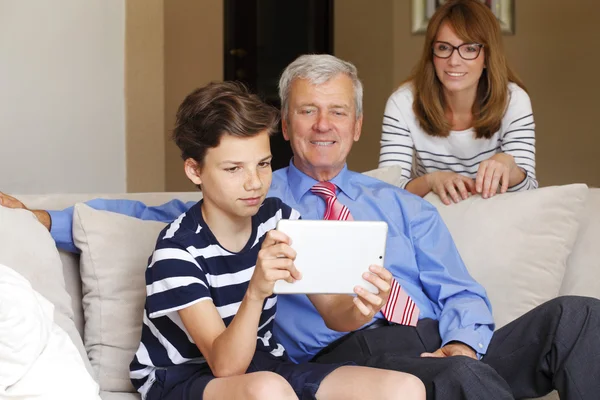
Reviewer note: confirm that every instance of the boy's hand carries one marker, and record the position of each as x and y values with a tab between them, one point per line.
369	303
275	261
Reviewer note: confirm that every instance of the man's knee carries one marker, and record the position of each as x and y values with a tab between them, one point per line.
473	379
462	366
577	302
573	306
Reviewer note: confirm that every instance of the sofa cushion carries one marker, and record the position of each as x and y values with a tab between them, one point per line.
582	276
27	247
391	174
517	244
119	396
114	255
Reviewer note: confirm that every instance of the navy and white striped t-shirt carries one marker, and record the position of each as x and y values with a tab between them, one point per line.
404	142
189	265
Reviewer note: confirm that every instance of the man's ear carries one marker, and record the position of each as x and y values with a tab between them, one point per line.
192	170
284	128
358	128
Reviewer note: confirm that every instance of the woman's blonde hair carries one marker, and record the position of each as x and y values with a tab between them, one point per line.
473	22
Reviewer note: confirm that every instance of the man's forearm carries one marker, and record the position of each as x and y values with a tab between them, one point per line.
339	312
62	221
473	328
44	218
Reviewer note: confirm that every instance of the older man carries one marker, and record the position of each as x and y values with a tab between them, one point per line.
452	348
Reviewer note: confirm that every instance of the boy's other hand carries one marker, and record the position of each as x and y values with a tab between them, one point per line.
369	303
275	261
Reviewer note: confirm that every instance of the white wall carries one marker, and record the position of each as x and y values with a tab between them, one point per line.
62	118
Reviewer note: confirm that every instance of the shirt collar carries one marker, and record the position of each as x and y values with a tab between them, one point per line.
299	183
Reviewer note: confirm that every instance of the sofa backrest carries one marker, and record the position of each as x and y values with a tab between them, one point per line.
582	276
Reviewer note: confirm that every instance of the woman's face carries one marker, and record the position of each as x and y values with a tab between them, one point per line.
457	74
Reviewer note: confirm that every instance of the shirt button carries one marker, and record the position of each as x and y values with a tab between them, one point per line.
480	345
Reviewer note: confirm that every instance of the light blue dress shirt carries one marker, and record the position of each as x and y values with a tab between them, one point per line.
420	253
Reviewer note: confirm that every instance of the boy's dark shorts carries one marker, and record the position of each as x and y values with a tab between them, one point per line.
188	381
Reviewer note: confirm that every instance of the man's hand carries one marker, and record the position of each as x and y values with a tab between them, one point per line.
369	303
452	349
10	202
275	261
346	313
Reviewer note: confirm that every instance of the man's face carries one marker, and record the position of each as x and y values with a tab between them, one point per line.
321	125
235	176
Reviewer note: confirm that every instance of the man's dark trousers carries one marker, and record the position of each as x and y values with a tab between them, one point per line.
554	346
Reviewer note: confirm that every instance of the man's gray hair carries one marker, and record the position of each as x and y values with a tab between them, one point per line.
318	69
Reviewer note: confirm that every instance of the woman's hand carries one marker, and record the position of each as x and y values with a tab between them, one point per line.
447	184
493	172
275	261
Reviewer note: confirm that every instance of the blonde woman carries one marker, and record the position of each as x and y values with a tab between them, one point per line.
462	123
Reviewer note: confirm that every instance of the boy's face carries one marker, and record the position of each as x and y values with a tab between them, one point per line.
236	175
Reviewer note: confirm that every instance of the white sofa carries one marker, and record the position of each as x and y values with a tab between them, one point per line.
525	248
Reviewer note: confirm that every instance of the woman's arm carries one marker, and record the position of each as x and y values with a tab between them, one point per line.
396	140
419	186
518	140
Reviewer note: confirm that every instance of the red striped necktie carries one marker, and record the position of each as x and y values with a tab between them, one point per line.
400	308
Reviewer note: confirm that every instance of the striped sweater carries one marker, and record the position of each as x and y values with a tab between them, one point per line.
404	142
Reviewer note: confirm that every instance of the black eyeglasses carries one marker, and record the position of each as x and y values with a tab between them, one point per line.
467	51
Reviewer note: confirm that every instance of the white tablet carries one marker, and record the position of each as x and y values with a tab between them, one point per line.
333	255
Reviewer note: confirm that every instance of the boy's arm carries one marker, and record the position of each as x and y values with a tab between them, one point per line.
176	281
228	351
345	313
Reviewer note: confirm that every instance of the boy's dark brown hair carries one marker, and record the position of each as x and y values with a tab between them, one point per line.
217	109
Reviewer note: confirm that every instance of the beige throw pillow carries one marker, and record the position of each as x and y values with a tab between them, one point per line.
517	244
114	255
27	247
391	174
